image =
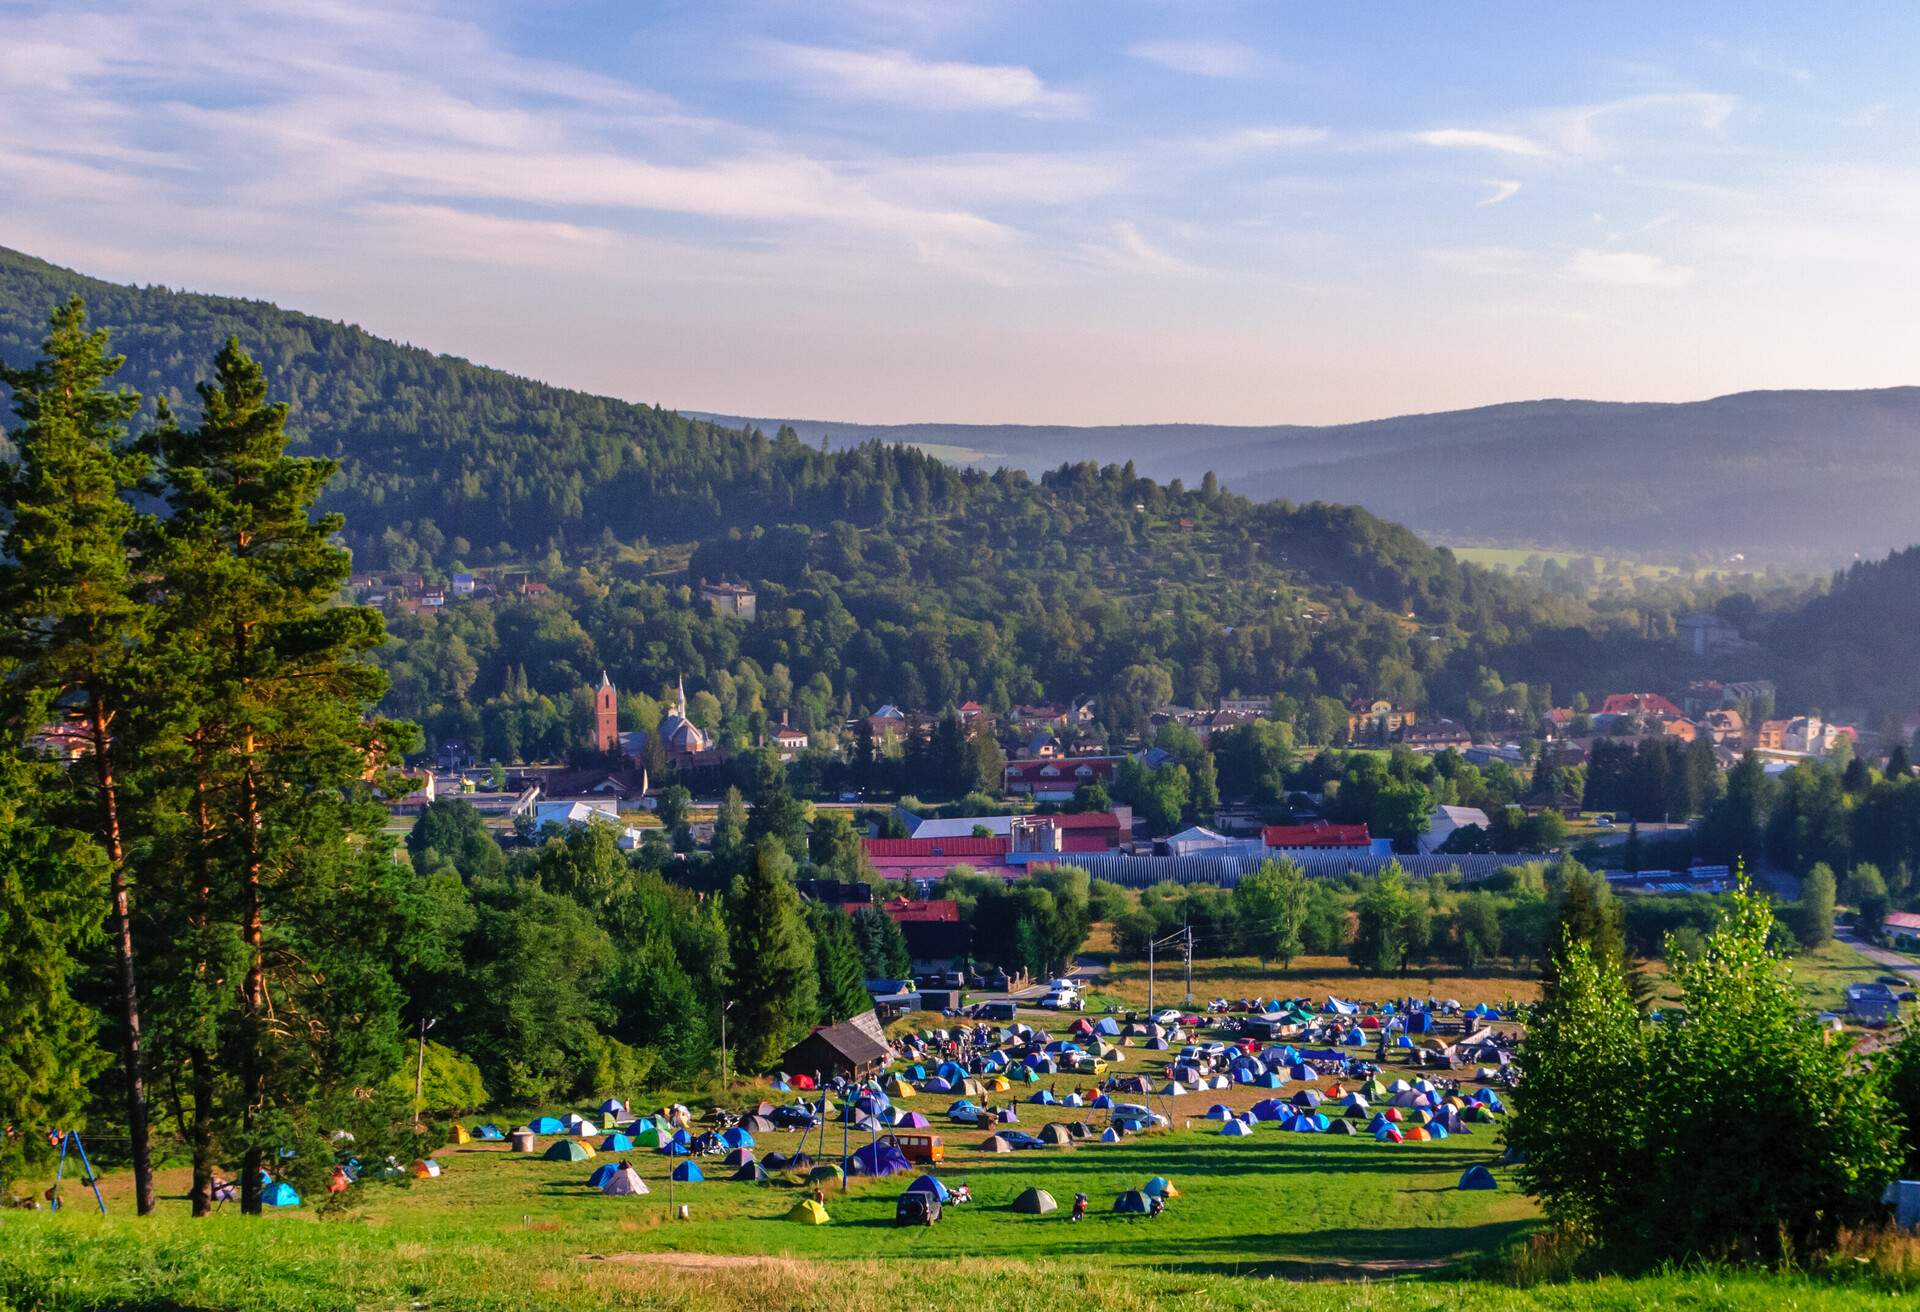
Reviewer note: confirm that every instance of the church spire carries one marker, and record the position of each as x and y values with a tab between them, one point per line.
680	707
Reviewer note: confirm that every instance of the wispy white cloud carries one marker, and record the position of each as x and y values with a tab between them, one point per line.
1241	143
1216	59
903	79
1504	189
1625	269
1127	249
1480	261
1504	143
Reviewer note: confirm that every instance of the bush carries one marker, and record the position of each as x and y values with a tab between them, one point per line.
1739	1134
450	1083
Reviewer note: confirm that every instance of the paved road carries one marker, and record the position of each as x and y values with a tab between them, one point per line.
1894	962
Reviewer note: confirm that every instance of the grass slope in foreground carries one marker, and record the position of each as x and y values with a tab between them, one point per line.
1374	1226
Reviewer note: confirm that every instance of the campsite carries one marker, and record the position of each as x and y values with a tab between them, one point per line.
500	1227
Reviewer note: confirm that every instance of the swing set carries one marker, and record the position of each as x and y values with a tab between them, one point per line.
66	1139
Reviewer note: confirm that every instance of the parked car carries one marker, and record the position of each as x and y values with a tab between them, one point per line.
916	1209
1021	1139
1894	981
1167	1017
999	1011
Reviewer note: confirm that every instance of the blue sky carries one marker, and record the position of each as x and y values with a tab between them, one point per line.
907	209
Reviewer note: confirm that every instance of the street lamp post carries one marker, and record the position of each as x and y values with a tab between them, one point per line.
420	1065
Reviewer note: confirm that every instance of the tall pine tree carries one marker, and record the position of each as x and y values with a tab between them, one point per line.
73	618
283	751
774	983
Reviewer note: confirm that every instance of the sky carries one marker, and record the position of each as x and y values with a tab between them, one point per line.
893	210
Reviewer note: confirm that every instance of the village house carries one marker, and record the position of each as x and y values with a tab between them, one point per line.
733	599
1054	780
1375	717
1435	736
1702	635
1725	727
1639	703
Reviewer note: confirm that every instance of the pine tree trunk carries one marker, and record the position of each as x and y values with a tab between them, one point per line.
253	1071
200	1130
136	1090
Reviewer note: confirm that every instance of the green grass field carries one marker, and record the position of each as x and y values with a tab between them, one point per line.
1365	1225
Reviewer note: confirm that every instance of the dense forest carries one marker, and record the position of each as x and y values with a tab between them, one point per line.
885	575
1803	477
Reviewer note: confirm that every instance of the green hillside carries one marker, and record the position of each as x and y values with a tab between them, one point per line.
886	575
1798	477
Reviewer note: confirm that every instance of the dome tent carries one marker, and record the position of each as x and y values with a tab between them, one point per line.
929	1184
751	1173
1132	1203
689	1173
567	1150
625	1182
808	1212
1035	1202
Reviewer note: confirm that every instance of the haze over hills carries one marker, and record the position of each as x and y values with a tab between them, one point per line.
1802	477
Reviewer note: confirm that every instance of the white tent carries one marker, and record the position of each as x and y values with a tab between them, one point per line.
625	1181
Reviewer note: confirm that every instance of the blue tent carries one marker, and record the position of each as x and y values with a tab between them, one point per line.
1044	1096
878	1158
1158	1185
1132	1203
1301	1071
1270	1109
1101	1103
489	1133
674	1148
952	1071
1107	1025
1477	1177
935	1084
279	1194
928	1184
1421	1022
546	1125
1110	1135
1355	1038
1219	1112
736	1138
603	1173
1403	1042
688	1173
1236	1129
640	1124
616	1143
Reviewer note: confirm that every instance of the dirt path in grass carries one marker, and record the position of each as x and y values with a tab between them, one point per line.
688	1261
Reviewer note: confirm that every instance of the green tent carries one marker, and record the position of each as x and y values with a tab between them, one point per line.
567	1150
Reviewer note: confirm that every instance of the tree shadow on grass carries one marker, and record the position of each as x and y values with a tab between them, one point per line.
1425	1251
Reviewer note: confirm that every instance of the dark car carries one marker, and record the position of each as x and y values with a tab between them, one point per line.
794	1118
1021	1140
916	1209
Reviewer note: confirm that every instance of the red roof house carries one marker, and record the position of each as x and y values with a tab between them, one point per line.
1317	834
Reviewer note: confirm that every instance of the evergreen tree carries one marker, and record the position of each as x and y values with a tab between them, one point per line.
730	832
1899	763
282	743
882	945
843	989
51	880
775	983
74	615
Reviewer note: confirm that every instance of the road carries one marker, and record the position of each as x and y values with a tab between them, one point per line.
1895	963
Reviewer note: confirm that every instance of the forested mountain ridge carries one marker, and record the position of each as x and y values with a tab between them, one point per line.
885	575
1793	476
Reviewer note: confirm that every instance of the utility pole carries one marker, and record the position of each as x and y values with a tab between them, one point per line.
420	1066
1154	945
1189	965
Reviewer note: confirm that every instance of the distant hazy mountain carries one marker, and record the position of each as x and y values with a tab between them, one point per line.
1807	477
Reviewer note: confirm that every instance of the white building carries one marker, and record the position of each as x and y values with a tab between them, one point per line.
1446	819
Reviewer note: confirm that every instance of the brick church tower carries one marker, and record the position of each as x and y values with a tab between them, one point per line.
606	715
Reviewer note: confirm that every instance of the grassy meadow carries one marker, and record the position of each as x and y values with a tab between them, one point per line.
1362	1224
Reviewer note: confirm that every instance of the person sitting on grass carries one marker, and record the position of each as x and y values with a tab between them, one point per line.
961	1195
